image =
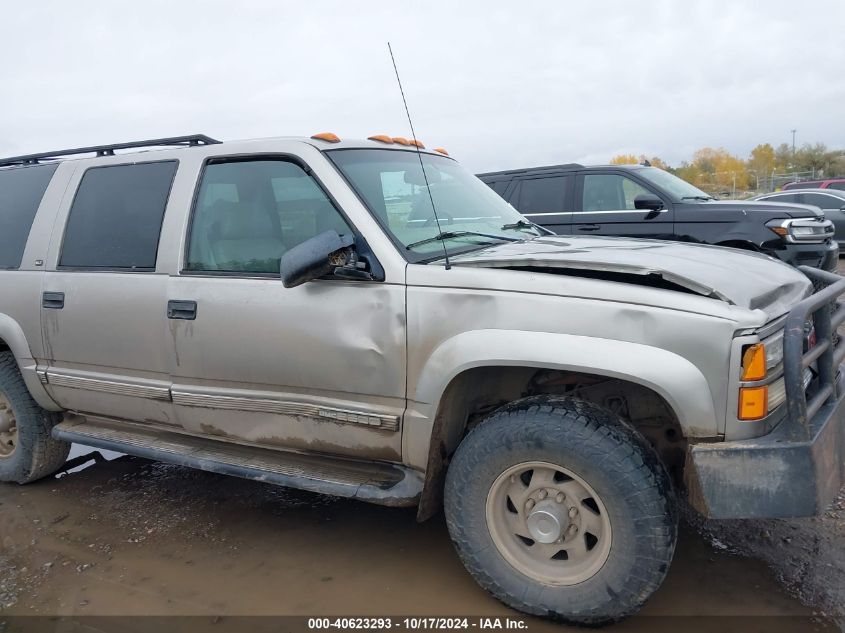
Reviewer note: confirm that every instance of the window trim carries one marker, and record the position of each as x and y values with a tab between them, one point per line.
117	269
361	244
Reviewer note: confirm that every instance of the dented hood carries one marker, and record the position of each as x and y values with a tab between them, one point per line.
742	278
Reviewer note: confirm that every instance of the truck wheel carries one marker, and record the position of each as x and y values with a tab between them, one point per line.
27	450
561	509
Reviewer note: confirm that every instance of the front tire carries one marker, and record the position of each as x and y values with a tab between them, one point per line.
27	449
560	509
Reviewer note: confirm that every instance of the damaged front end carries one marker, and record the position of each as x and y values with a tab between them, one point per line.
798	468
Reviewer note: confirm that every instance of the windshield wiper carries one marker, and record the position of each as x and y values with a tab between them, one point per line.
522	224
448	235
705	198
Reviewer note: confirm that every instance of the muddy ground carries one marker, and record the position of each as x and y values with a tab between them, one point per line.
132	537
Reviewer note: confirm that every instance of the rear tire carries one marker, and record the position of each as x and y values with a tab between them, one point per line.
561	509
28	451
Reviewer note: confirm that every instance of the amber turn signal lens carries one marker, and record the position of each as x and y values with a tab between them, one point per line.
753	403
754	362
327	136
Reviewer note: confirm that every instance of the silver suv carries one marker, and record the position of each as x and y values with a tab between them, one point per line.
367	319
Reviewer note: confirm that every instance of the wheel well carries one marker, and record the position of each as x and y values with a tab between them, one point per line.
475	393
3	346
747	246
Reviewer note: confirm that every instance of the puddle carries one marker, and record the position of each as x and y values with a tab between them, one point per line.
131	537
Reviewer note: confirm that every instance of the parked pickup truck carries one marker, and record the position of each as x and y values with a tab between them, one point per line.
333	316
644	201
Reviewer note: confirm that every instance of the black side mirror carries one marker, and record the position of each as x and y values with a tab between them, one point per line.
648	201
314	258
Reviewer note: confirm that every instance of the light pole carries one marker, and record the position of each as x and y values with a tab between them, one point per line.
793	155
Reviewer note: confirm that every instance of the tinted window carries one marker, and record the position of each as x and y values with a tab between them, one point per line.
21	190
248	213
837	185
542	195
498	186
116	216
787	197
610	192
822	201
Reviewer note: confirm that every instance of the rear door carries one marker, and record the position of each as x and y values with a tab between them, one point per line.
102	316
604	205
545	200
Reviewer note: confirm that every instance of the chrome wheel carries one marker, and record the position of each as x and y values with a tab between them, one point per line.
548	523
8	428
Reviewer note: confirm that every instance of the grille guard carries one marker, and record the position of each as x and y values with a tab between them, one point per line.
827	354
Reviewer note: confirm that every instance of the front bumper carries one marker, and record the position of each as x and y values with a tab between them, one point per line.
798	468
823	256
771	476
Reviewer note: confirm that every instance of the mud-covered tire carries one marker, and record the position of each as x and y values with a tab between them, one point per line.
36	454
607	454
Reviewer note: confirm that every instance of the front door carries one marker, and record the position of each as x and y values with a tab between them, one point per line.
605	206
319	367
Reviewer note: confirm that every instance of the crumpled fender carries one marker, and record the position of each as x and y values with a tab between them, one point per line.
13	335
677	380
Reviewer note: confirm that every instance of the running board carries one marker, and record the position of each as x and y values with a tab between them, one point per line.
375	482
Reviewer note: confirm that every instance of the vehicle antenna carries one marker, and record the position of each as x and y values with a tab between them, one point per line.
419	155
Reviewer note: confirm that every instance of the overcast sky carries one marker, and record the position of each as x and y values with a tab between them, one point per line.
499	84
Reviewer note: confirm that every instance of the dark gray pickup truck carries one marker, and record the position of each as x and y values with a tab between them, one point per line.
643	201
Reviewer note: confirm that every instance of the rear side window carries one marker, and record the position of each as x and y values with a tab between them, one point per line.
498	186
115	220
790	197
542	195
822	201
21	190
837	185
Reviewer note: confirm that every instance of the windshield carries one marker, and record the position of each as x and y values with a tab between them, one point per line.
391	184
674	186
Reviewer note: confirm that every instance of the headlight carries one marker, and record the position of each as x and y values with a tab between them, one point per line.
802	230
774	351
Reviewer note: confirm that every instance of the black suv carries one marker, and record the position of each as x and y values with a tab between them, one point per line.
643	201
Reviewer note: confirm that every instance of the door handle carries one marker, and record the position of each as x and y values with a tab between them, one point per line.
589	227
53	300
180	309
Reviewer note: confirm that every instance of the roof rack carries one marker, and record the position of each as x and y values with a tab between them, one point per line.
108	150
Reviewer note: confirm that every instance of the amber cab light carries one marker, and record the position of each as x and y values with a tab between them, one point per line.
401	140
753	403
327	136
754	362
416	143
381	138
440	150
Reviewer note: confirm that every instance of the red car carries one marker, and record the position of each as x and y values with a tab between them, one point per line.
833	183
